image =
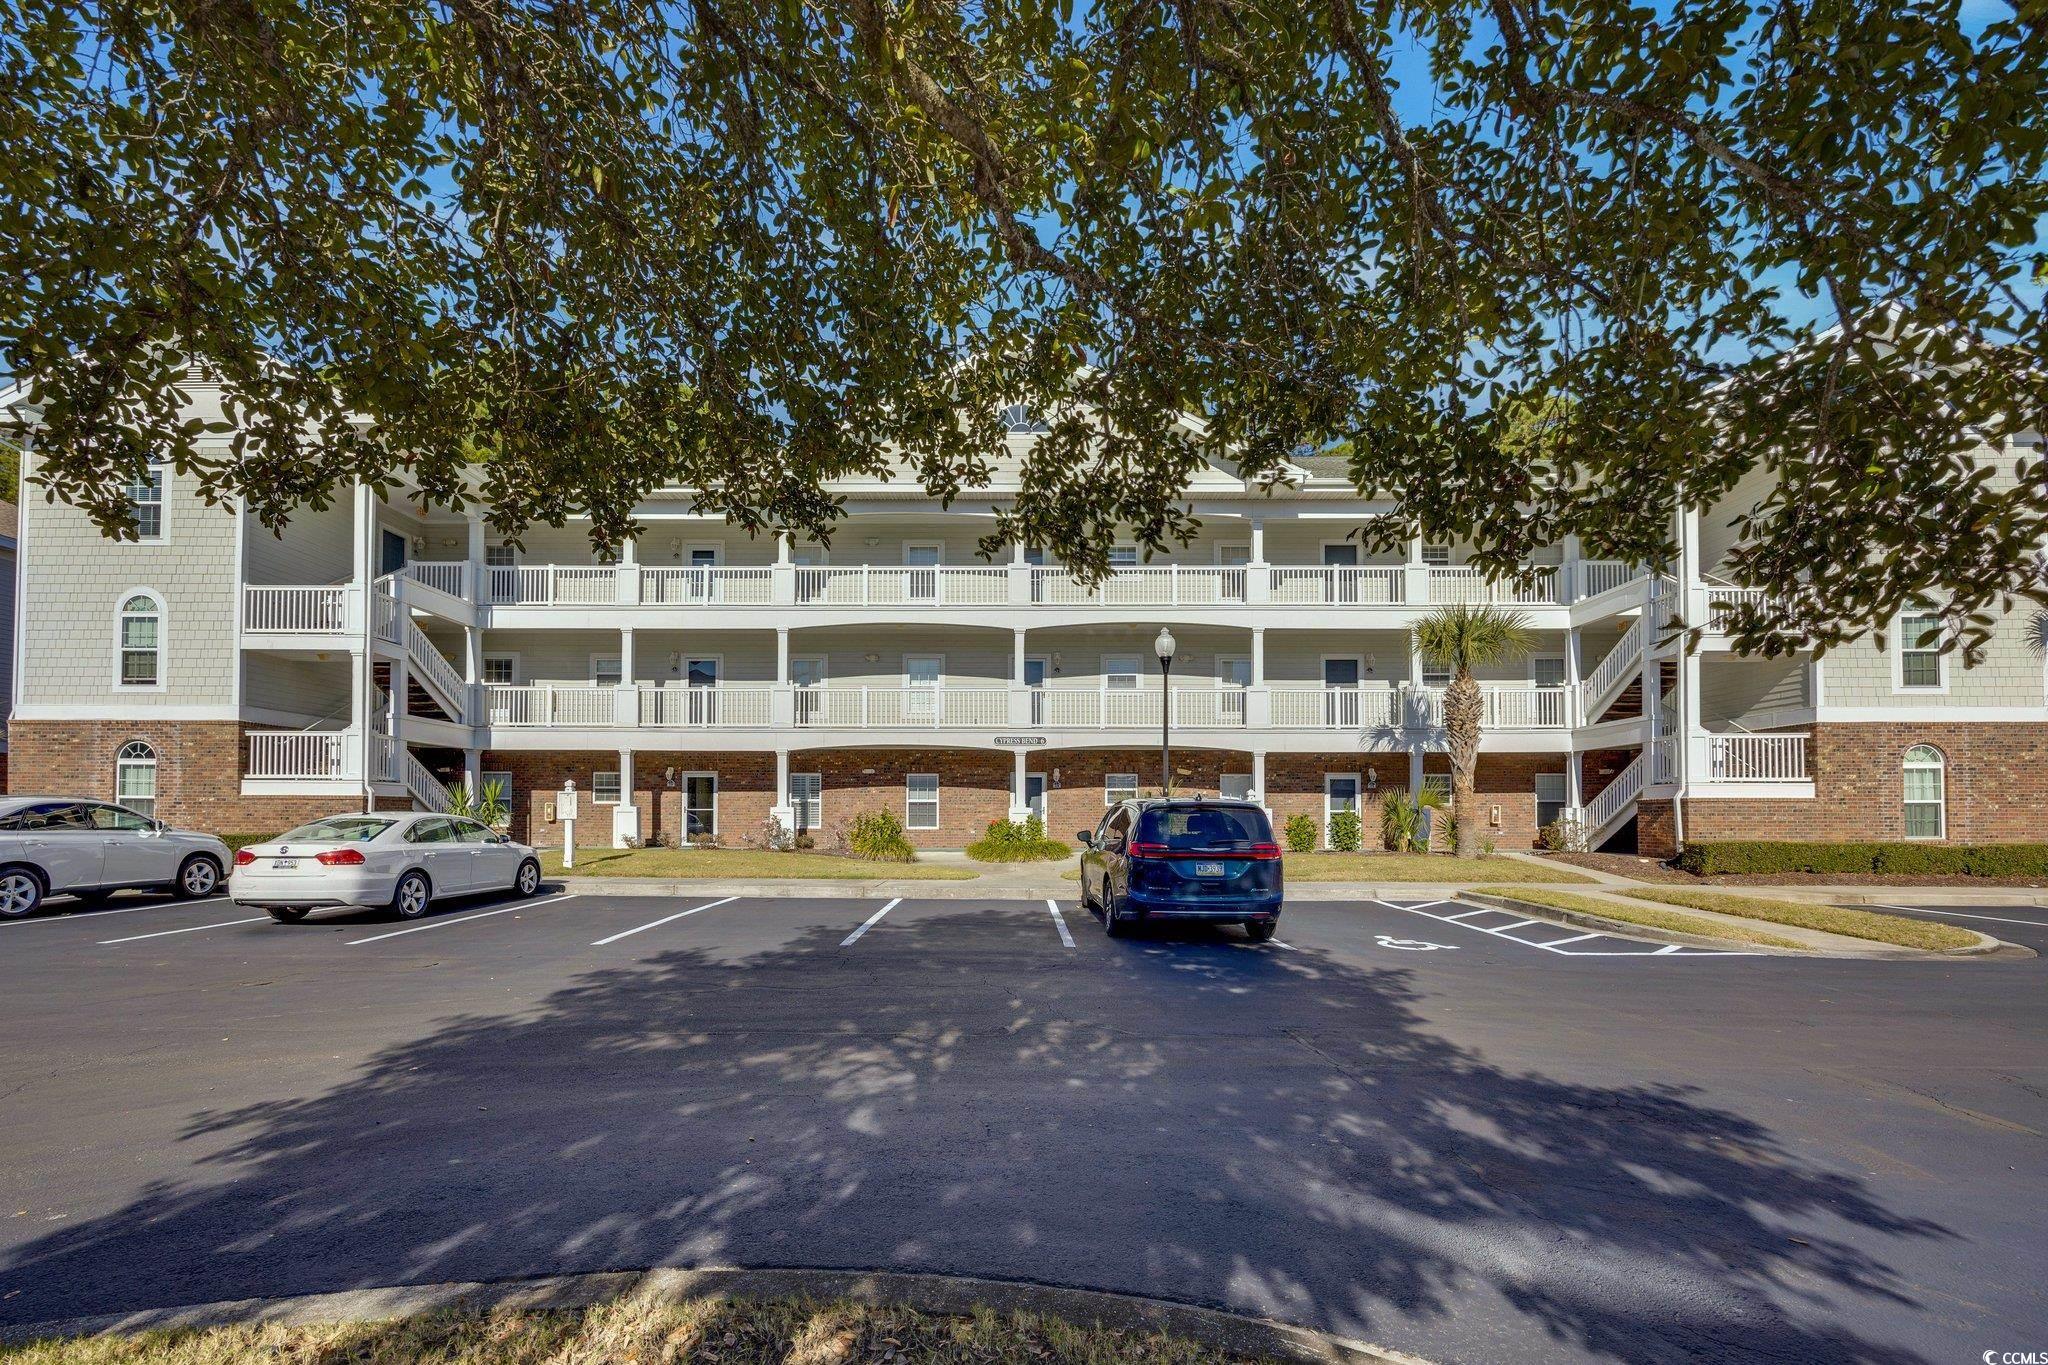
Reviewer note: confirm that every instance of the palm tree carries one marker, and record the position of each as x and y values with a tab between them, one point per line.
1461	639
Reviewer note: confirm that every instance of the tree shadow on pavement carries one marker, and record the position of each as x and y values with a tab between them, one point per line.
1197	1119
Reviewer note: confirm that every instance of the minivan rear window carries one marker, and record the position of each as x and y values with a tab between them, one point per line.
340	829
1204	828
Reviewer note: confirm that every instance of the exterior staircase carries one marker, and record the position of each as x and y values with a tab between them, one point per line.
1607	812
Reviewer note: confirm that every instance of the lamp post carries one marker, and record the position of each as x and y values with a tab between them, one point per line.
1163	646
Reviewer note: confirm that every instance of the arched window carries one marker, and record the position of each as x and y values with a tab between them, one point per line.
141	641
135	778
1926	793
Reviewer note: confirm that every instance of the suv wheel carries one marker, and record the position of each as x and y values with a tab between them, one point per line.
1111	925
200	876
21	891
1261	931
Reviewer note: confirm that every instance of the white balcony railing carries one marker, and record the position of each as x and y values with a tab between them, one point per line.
706	707
572	585
307	755
1722	601
1605	575
1452	585
309	609
1756	758
547	704
903	707
1336	708
887	585
1173	585
450	576
1339	584
707	586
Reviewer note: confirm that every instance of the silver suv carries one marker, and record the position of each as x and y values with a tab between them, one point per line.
54	845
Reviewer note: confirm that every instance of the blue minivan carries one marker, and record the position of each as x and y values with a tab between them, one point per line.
1187	858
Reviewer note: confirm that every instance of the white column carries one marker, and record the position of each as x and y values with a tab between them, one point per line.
1258	540
784	810
625	815
782	701
627	671
473	771
1570	588
782	577
626	696
782	656
479	582
1258	656
1574	646
1574	783
1259	699
782	551
1258	575
1259	781
1416	582
1415	771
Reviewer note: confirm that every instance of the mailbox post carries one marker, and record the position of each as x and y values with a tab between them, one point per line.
565	811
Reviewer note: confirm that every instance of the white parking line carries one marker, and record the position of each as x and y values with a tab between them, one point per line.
665	919
69	916
1463	914
1576	938
461	919
869	923
165	933
1518	924
1552	947
1059	921
1952	914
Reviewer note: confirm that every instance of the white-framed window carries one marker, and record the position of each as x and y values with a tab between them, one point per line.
501	670
500	557
1926	788
1435	675
1234	556
139	641
1123	556
605	670
921	801
1547	670
1436	555
1549	798
135	778
502	777
1018	419
1235	786
146	498
1920	666
807	799
1119	787
604	787
1440	783
1121	672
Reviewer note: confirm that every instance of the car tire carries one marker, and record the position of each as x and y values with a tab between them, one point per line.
527	883
198	877
285	914
21	891
1111	925
1260	933
411	897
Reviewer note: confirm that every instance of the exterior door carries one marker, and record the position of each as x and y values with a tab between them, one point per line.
703	559
1340	562
1233	676
923	677
390	553
1340	692
1121	703
1034	681
700	805
1034	793
700	678
135	853
807	676
922	585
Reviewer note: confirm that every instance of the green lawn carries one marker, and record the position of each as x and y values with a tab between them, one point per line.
732	863
1422	867
692	1332
1906	933
1646	916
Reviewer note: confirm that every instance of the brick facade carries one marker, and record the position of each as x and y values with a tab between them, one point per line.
198	772
1997	786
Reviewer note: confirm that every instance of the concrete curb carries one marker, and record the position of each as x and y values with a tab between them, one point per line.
938	1294
830	889
1984	946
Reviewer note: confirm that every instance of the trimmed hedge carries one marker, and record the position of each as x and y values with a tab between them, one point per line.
1710	858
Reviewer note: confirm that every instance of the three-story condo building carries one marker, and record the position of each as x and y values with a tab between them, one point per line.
700	682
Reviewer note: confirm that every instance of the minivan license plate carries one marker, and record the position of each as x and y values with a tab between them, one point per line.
284	864
1208	869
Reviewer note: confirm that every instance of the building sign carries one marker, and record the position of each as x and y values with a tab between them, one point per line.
1020	741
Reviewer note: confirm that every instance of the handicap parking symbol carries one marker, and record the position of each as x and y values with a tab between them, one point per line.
1414	945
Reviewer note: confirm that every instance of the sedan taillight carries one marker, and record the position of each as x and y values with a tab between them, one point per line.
340	857
243	857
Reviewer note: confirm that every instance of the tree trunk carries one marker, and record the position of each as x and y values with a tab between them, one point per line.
1464	708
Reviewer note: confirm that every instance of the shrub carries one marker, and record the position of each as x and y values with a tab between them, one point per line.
771	835
1733	857
1301	834
1566	834
1400	823
1009	842
237	842
877	836
1346	831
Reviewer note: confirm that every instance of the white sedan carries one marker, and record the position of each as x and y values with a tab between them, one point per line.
53	845
402	862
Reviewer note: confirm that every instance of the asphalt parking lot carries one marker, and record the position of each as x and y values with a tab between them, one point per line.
1424	1124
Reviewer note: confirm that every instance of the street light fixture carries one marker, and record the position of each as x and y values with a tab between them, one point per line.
1164	647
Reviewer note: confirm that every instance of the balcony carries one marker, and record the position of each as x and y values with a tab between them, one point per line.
1509	707
1756	758
939	586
